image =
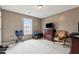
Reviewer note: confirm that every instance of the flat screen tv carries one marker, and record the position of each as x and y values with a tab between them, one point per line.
49	25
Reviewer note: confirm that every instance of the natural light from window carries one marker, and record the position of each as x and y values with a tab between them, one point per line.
27	26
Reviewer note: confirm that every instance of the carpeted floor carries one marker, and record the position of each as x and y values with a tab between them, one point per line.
40	46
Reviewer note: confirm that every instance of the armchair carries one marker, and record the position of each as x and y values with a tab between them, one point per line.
61	36
37	35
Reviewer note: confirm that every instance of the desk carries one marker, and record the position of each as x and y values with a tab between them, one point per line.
75	44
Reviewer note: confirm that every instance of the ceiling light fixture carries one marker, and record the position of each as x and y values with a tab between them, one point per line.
40	6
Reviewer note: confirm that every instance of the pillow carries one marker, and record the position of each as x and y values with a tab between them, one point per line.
57	41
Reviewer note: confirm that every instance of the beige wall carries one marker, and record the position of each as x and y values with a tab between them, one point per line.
12	21
67	20
0	28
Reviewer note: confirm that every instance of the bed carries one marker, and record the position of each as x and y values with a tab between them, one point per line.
37	47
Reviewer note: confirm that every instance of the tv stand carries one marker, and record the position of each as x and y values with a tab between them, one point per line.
49	33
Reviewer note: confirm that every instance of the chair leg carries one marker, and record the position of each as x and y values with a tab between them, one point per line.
64	43
18	40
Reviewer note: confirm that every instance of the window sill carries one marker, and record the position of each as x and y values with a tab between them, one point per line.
27	34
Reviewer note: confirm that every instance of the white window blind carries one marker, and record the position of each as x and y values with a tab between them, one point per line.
27	26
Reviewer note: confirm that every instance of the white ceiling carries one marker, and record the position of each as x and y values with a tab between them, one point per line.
32	10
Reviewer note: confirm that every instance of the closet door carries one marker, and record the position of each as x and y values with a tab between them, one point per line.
0	27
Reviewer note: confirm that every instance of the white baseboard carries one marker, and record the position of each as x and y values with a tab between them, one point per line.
8	43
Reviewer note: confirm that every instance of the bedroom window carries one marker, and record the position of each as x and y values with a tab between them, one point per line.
27	26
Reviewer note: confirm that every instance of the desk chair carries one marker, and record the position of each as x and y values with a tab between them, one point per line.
19	35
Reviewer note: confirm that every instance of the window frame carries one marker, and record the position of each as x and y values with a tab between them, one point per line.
25	33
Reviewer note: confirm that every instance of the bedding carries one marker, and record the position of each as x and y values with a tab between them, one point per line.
37	47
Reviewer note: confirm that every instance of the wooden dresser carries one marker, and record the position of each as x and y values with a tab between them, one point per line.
75	44
49	34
